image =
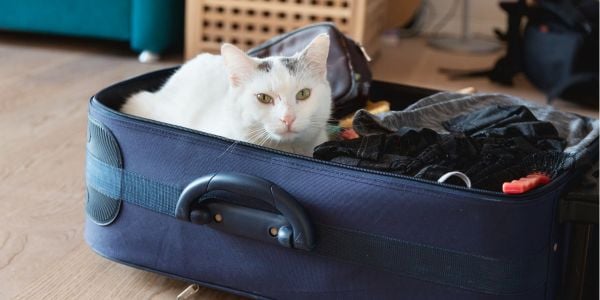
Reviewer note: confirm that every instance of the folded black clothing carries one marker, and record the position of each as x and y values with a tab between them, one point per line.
494	116
488	145
580	132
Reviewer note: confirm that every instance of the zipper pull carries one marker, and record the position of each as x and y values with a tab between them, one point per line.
525	184
364	52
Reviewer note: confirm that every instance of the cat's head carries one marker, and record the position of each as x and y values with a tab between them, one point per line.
282	98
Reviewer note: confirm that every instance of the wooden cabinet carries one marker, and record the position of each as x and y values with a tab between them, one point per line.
247	23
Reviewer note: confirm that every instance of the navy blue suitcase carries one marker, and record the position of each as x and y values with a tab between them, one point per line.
267	224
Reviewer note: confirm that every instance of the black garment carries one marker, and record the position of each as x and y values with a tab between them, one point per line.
489	145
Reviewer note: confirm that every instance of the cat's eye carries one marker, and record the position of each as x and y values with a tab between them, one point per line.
264	98
303	94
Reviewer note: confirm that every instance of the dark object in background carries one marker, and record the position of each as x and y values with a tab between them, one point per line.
347	64
510	64
558	50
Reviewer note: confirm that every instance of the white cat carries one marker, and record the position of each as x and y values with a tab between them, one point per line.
278	102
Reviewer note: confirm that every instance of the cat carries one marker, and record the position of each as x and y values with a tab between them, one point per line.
278	102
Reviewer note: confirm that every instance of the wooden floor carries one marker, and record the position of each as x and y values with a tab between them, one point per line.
45	84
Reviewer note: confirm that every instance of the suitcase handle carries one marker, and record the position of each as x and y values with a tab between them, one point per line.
195	206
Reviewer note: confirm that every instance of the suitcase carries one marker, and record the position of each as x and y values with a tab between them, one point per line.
268	224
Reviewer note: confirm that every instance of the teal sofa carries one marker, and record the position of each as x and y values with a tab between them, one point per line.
150	26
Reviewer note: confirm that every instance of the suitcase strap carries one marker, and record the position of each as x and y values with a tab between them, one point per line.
443	266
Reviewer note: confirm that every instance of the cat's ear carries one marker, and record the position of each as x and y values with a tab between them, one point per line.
315	54
239	65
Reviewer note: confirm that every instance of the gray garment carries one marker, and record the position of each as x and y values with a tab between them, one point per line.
430	112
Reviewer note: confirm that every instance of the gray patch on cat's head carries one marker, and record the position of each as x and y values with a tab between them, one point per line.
291	64
264	66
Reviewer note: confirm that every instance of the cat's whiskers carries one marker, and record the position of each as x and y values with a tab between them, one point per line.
259	137
252	133
230	147
256	137
316	124
266	139
257	131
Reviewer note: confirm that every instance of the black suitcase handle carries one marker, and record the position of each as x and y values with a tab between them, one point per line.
290	229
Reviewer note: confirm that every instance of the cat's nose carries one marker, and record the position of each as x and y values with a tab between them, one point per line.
288	120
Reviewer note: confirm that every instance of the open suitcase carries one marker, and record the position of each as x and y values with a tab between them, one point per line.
268	224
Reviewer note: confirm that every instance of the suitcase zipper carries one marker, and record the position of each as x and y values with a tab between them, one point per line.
108	112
